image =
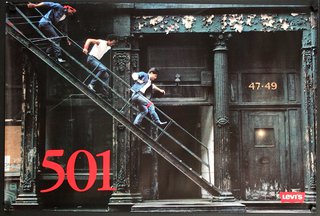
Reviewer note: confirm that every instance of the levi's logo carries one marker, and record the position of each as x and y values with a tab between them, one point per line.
292	197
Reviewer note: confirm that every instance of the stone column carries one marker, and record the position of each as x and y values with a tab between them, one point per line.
154	190
222	156
126	154
28	196
308	103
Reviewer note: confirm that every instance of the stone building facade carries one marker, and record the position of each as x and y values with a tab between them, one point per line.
239	77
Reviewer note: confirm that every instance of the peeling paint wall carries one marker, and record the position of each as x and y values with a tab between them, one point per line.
264	191
222	23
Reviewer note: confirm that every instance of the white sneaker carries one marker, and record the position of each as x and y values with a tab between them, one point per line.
90	86
60	60
161	123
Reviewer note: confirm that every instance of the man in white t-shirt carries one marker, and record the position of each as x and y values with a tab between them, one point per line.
100	47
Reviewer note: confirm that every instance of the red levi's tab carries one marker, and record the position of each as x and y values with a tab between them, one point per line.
292	197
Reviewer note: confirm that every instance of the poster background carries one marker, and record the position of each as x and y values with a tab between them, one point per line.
2	129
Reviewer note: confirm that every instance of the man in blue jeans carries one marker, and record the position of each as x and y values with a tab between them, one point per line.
143	81
54	18
99	48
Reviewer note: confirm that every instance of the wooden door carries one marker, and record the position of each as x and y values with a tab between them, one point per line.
264	165
265	107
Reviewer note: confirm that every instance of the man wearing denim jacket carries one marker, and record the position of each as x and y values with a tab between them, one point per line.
51	21
139	88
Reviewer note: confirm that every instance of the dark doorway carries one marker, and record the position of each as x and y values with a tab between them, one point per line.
172	183
160	179
184	62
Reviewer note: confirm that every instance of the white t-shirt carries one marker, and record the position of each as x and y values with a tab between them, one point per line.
146	86
99	50
62	18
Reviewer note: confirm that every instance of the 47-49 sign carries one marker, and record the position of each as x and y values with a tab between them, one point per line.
70	174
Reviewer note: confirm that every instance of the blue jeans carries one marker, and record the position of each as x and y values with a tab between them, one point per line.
48	30
100	70
145	106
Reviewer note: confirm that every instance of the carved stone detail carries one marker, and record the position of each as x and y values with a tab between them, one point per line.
122	183
222	121
222	23
135	62
121	62
221	41
27	182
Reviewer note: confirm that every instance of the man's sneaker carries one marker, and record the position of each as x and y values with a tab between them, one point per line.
60	60
161	123
90	86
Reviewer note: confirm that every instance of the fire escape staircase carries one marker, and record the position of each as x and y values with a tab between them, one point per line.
19	26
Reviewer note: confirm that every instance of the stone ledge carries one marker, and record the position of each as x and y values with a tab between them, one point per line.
188	206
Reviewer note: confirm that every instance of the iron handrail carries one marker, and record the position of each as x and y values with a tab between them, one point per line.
127	85
119	96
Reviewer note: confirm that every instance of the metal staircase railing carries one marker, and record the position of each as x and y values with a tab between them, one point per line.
35	41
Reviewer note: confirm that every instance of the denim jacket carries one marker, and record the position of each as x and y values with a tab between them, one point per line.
141	76
54	14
